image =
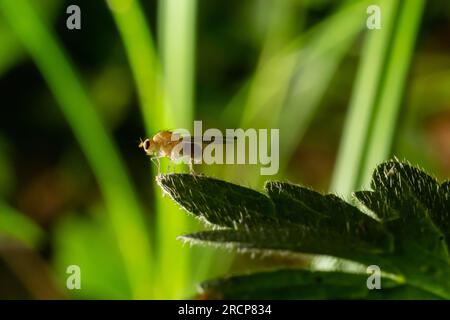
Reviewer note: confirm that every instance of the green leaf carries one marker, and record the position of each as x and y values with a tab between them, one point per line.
442	219
396	179
218	202
413	206
405	292
327	214
288	240
293	284
403	230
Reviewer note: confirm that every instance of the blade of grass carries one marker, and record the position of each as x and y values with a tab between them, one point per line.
11	51
121	202
18	226
318	63
305	68
177	35
162	110
295	58
273	67
362	104
176	22
140	49
387	110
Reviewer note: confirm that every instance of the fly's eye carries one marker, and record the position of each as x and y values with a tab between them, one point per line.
146	144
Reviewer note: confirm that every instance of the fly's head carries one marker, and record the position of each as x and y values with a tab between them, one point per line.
149	146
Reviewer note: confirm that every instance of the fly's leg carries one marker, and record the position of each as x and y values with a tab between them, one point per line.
191	167
155	160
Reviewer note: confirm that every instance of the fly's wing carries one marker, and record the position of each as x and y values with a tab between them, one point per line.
187	151
209	139
190	148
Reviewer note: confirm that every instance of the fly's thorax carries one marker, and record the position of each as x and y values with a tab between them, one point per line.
164	137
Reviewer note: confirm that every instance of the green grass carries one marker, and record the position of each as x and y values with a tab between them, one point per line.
177	35
372	118
176	23
166	92
124	210
291	80
385	122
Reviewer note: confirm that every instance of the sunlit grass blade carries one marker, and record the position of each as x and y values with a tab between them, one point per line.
176	22
177	35
11	51
269	84
363	100
147	71
140	49
385	119
122	205
166	98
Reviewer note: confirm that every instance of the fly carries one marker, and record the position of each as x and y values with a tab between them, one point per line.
168	144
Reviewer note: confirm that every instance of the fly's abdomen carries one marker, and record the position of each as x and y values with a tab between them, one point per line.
187	151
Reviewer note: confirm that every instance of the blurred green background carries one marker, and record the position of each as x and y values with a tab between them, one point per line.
76	190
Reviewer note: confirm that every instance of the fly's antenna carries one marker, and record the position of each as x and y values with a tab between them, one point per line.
141	143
